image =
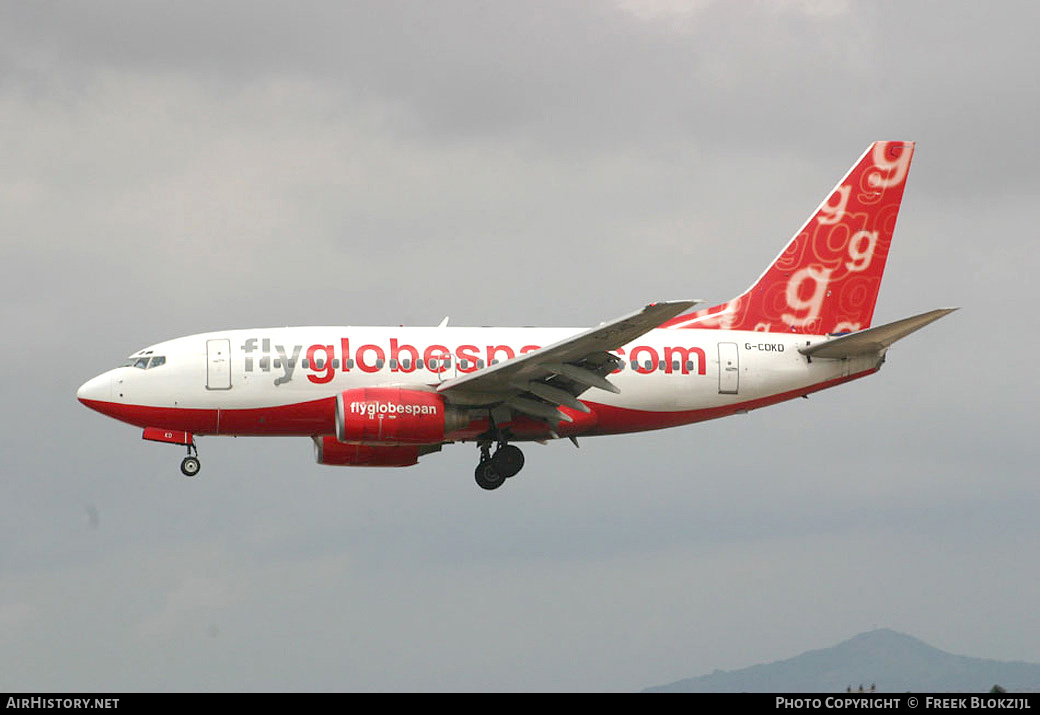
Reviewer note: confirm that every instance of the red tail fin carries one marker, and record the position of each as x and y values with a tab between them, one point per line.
827	279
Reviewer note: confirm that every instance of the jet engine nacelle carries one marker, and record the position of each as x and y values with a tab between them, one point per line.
394	416
329	450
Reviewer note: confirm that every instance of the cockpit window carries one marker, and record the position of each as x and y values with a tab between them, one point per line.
145	362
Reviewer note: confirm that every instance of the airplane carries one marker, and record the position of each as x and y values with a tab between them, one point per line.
387	396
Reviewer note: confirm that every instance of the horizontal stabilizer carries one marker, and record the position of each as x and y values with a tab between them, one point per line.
873	340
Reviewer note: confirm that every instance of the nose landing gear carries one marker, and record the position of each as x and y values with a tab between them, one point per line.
190	465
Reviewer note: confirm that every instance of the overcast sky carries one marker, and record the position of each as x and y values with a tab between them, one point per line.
173	168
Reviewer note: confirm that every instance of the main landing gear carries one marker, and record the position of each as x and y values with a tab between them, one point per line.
494	469
190	465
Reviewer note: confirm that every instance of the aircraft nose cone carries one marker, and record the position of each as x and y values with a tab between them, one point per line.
95	389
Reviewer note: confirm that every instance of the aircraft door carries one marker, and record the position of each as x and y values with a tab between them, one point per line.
218	364
729	369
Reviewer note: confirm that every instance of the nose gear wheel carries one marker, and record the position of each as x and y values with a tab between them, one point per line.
191	465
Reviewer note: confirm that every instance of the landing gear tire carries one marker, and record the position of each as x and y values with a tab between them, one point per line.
508	460
487	476
190	466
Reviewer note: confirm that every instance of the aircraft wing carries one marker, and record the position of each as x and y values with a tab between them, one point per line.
535	383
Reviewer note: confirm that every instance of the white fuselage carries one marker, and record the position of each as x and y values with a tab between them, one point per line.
209	382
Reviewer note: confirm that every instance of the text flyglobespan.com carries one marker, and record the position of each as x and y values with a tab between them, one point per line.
62	703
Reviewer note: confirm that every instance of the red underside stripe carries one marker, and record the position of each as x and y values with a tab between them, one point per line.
318	417
616	420
303	418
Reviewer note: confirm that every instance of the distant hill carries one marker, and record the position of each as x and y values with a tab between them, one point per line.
895	662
